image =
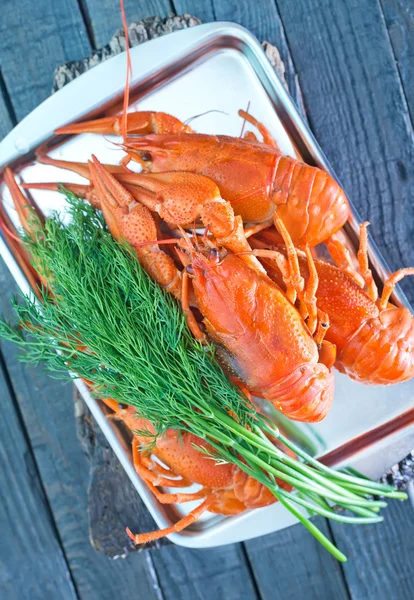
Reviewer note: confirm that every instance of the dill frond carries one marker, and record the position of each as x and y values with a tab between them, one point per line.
107	322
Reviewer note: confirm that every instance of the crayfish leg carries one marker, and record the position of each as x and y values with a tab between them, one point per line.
309	295
390	284
26	208
296	278
153	480
283	266
364	269
249	231
267	136
194	515
342	258
185	305
83	191
157	469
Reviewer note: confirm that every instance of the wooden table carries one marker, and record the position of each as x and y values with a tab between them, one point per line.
355	60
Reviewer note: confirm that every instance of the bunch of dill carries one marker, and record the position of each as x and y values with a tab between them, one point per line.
107	322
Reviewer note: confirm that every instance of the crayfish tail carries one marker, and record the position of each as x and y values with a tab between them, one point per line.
305	395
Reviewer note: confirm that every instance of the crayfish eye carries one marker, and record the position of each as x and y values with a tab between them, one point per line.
189	270
216	256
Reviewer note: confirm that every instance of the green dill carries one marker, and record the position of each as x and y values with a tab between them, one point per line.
107	322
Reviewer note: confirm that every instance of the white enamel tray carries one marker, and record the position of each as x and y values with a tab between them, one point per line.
218	66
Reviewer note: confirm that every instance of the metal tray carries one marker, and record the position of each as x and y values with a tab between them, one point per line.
217	66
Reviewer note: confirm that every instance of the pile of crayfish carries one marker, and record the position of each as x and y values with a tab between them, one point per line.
251	281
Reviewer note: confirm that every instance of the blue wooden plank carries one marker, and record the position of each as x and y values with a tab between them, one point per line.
6	113
204	574
47	410
202	9
399	18
105	15
358	112
36	37
291	564
380	556
32	565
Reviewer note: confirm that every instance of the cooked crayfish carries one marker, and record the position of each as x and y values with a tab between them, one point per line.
374	338
179	198
255	177
264	338
226	489
270	348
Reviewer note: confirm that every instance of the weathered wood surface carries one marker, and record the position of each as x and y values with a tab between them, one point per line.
380	565
104	16
358	99
32	565
290	565
7	117
36	37
204	574
399	19
110	488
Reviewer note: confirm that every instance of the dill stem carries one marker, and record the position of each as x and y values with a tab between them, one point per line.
300	482
330	514
311	527
362	483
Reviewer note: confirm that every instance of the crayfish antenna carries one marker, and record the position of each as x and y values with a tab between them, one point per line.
82	191
81	169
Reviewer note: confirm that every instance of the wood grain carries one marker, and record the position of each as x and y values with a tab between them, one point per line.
204	574
380	556
291	564
6	115
202	9
110	488
32	566
105	15
358	113
47	408
36	37
399	19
